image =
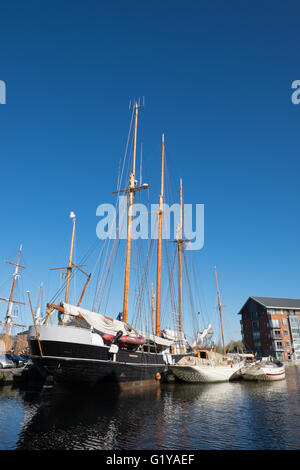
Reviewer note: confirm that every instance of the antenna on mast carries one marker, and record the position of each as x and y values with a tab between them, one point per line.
137	103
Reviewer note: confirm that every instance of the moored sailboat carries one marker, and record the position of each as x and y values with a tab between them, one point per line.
208	366
92	348
213	368
267	369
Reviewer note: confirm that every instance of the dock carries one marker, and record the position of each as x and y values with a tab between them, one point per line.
20	375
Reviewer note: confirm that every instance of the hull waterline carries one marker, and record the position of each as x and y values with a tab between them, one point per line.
267	374
70	355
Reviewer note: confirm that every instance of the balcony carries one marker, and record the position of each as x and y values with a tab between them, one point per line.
274	324
276	336
278	346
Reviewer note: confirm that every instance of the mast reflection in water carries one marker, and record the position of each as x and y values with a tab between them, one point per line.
236	415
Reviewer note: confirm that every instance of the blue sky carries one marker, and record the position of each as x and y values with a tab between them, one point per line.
216	77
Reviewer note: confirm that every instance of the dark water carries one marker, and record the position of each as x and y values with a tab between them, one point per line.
237	415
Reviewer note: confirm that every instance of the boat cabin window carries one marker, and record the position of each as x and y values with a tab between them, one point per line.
202	354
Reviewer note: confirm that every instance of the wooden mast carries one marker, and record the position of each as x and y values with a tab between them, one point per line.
84	289
11	301
152	309
180	247
69	268
38	310
220	310
160	216
131	193
35	325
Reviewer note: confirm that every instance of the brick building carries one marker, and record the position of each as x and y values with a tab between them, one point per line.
271	326
18	343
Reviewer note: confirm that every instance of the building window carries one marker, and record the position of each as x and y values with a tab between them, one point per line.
281	312
284	321
278	346
291	312
271	311
275	323
285	332
287	344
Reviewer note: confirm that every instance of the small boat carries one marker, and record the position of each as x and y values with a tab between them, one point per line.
267	369
128	341
208	365
214	368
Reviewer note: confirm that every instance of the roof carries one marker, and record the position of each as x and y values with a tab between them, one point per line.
276	302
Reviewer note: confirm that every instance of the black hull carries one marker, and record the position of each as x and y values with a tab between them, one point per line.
93	365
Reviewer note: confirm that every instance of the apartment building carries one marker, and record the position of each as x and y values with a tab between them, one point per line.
271	326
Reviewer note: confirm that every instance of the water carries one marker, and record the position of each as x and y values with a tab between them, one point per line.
236	415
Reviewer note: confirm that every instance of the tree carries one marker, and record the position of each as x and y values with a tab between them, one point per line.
235	346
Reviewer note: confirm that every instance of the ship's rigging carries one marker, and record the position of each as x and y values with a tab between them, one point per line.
176	298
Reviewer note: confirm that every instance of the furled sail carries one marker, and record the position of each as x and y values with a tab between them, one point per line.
105	325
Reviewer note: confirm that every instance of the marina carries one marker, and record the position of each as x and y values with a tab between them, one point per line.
139	358
234	416
149	243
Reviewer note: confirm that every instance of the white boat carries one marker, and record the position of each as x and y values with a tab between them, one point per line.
266	369
215	368
208	366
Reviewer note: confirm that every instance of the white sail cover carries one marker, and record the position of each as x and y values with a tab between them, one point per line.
201	336
110	326
173	335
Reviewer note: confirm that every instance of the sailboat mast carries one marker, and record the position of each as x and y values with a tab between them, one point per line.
220	311
160	216
129	218
152	308
180	247
8	318
69	268
38	310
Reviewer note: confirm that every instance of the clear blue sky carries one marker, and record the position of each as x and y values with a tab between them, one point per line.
216	77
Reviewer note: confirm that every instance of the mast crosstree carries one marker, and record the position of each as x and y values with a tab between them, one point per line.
10	300
131	190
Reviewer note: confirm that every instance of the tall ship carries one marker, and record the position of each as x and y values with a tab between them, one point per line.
84	346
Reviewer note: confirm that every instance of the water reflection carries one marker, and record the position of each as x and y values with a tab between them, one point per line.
237	415
93	419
